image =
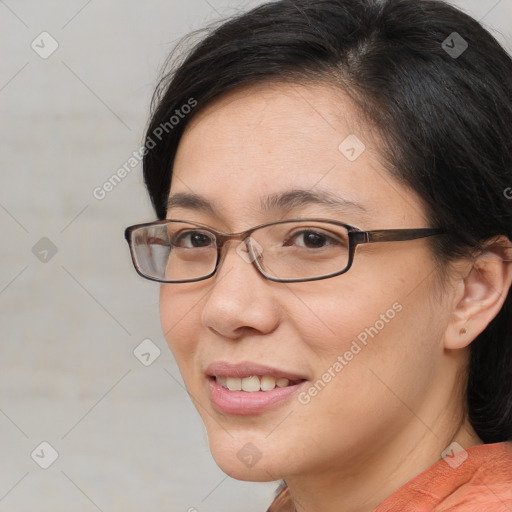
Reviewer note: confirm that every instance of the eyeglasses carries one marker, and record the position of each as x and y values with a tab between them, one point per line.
178	251
285	251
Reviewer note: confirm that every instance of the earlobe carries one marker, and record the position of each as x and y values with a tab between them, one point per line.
481	294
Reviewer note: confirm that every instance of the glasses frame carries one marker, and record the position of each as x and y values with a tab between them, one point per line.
355	236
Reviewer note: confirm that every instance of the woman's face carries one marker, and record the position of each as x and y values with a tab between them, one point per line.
365	346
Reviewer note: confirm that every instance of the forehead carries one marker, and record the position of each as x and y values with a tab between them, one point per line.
281	122
270	139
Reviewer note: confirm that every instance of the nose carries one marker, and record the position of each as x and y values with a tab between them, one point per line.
240	299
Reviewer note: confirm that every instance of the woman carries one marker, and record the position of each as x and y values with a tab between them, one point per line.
332	180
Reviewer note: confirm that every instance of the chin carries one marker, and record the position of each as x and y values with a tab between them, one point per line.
246	467
246	456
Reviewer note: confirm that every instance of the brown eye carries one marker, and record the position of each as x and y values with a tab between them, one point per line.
312	239
193	239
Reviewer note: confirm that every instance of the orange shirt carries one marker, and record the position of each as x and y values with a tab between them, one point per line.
477	480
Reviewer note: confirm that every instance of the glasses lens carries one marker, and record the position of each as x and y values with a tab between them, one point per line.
302	250
179	252
174	251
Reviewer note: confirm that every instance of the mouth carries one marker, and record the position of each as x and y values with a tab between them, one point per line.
248	388
254	383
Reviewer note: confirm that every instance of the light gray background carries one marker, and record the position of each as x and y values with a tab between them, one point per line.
127	437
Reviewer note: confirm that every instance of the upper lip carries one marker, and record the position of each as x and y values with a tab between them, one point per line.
249	369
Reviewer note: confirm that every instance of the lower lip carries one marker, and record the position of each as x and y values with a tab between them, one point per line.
244	403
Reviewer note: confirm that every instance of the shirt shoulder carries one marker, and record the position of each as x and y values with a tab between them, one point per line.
472	480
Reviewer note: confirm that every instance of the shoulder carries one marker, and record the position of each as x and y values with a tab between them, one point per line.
472	480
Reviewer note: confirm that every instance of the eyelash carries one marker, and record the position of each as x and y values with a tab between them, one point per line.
330	240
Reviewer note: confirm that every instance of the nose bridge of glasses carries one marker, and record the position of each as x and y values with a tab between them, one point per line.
246	247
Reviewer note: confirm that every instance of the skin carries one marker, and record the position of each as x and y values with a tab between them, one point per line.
390	413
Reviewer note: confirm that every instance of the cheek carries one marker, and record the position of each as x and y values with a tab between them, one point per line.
180	325
377	364
370	340
329	314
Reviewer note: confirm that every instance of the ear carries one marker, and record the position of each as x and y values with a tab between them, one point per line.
481	290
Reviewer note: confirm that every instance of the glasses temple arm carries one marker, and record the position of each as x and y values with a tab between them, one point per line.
394	235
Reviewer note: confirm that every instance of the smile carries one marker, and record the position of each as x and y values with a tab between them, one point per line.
250	388
253	383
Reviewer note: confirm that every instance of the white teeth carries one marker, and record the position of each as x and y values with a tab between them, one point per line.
268	383
252	384
234	383
282	383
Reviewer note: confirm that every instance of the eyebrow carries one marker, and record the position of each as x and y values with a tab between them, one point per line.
283	202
